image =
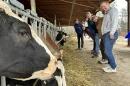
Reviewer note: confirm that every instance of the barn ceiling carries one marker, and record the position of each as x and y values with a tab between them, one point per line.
65	11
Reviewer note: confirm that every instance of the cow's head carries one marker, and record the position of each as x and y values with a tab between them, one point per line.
20	54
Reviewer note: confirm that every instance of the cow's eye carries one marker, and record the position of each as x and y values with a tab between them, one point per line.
23	33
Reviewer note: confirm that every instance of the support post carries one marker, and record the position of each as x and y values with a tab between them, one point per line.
128	20
39	29
71	11
55	22
34	25
33	5
45	27
3	81
59	26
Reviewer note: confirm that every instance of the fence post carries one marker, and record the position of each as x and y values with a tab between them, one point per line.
25	18
17	13
34	25
44	32
3	81
39	29
49	28
54	32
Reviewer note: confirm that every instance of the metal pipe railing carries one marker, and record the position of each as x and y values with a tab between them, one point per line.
40	25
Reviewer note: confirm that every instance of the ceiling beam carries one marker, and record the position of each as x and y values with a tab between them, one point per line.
77	4
72	10
64	11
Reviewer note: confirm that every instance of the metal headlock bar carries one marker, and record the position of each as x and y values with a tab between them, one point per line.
39	24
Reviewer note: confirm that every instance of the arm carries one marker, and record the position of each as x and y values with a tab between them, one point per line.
75	28
82	27
114	21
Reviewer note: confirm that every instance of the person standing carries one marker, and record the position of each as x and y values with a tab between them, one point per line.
96	37
104	59
110	33
79	31
88	26
90	29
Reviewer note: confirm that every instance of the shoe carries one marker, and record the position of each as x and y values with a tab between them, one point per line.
92	51
103	61
77	49
81	48
94	56
109	70
107	66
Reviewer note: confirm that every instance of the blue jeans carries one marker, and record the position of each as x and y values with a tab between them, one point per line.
96	44
102	48
108	46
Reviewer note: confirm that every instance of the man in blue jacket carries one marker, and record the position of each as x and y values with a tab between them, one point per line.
79	31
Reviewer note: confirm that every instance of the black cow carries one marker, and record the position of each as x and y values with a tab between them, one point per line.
21	55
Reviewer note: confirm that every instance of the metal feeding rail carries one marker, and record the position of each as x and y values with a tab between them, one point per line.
40	25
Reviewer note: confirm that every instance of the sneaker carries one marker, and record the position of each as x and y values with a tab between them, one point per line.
94	56
77	49
81	48
92	51
107	66
109	70
103	61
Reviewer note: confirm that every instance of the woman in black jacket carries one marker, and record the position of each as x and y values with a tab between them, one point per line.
79	31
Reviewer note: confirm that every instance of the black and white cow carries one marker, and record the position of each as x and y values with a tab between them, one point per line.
61	38
24	58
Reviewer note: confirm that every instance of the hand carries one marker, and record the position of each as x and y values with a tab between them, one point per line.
112	36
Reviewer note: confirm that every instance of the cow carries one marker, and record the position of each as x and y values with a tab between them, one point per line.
61	38
24	58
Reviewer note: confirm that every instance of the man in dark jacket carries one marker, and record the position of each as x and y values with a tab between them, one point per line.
79	31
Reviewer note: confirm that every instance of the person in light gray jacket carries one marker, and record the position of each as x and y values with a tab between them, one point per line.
109	31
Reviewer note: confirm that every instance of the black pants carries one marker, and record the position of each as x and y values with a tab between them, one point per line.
102	48
80	40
